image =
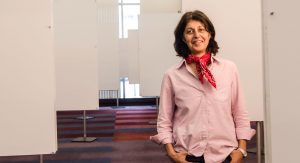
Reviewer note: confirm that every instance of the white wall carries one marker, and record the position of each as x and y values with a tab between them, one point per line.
134	75
75	29
27	115
129	57
160	6
157	53
282	80
238	26
108	54
124	57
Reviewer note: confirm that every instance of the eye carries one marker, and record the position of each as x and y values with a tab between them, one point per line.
202	30
189	31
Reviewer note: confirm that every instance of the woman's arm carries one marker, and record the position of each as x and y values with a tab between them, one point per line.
241	119
165	115
237	155
178	157
238	109
243	144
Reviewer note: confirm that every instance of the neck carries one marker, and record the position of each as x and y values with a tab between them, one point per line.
199	54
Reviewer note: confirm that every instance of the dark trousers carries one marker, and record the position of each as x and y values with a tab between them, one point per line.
200	159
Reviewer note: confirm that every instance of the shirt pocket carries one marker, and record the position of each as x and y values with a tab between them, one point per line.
188	95
222	94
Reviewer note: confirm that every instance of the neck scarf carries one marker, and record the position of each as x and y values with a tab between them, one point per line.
201	66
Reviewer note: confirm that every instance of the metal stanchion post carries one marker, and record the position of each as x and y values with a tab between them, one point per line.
258	148
41	158
258	142
84	138
117	98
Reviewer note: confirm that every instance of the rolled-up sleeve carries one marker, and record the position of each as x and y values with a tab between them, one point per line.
239	112
166	111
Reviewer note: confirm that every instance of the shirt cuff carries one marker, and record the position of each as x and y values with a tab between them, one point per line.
162	138
245	133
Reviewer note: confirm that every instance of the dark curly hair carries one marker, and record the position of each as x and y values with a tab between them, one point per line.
180	46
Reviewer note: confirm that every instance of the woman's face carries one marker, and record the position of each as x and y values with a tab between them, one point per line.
196	37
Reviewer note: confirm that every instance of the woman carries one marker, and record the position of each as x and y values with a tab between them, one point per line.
202	115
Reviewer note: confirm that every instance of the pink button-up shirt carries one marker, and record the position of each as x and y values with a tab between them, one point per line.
200	119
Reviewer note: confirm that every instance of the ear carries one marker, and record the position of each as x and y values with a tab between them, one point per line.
183	40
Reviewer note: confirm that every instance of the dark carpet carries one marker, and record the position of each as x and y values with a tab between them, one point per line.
122	137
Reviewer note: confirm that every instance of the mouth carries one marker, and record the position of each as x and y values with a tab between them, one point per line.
197	42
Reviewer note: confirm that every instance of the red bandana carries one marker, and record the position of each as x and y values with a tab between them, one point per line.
201	66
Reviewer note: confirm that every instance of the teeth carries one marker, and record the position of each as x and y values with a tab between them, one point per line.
198	41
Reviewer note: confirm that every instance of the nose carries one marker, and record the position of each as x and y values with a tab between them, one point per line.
196	34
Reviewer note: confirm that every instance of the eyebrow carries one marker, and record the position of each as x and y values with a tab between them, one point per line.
196	27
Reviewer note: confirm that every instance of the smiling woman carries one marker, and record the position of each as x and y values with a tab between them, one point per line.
192	123
191	31
196	37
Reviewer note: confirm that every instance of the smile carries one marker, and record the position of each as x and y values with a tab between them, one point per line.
197	41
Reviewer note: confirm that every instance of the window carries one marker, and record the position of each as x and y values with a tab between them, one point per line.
128	19
128	16
128	90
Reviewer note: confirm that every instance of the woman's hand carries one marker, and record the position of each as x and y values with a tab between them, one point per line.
179	157
236	156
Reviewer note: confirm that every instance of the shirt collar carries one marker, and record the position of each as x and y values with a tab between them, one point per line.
213	59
